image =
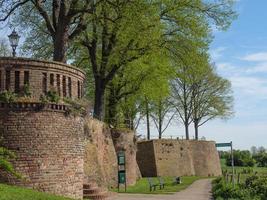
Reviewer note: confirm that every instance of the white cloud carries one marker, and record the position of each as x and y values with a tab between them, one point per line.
217	52
256	57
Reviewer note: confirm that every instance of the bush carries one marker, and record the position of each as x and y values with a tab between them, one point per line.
257	186
7	97
241	158
221	190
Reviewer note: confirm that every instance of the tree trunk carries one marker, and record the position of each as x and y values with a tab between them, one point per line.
160	127
186	125
99	98
111	109
147	121
196	130
60	43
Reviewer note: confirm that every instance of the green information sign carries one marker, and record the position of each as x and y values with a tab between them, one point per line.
121	159
223	144
122	177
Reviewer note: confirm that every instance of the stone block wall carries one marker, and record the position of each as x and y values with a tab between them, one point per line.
49	148
124	140
178	158
41	76
100	160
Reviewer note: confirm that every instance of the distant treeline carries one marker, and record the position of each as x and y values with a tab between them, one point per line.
245	158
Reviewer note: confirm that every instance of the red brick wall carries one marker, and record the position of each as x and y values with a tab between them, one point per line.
49	148
36	68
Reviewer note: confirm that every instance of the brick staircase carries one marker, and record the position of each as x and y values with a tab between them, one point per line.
92	191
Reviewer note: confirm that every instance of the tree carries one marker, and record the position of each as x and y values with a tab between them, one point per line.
4	50
62	20
119	33
211	97
181	97
162	114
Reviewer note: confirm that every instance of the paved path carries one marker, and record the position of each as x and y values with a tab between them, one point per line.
199	190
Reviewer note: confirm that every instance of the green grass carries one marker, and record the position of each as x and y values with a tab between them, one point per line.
142	186
260	171
17	193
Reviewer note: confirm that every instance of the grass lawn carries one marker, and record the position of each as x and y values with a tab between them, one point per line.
17	193
142	185
244	171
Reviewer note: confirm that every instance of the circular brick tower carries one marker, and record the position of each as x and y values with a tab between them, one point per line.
48	142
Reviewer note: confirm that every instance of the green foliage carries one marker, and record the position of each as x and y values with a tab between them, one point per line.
5	164
25	92
224	191
50	97
7	97
241	158
4	50
77	107
254	188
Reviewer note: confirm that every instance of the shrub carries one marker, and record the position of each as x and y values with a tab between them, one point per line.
7	97
5	164
241	158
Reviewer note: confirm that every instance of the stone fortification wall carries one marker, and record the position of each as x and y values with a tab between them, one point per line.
48	145
100	160
41	77
178	158
124	140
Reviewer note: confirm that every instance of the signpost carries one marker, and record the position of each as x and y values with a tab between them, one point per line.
121	169
232	155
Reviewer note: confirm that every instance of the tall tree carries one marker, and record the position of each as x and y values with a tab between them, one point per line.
162	114
120	33
211	98
62	20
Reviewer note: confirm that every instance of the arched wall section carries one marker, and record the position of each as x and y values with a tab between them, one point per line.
41	77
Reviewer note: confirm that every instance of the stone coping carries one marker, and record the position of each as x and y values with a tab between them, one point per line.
33	106
39	62
171	140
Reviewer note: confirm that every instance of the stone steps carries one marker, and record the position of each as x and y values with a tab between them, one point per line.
92	191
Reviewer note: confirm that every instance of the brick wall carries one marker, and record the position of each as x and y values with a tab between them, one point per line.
65	79
178	158
49	148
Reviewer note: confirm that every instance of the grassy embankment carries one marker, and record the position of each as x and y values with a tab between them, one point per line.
17	193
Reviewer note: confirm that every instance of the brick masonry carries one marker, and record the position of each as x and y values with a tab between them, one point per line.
54	74
49	144
49	148
178	158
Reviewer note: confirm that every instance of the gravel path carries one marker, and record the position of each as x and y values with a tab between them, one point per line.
199	190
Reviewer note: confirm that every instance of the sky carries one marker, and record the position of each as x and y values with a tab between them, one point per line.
240	54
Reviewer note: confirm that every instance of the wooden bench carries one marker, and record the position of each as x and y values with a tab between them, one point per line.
152	185
161	183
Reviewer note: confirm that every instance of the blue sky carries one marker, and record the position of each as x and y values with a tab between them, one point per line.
240	55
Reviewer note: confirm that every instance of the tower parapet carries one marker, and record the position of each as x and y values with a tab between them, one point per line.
40	77
48	143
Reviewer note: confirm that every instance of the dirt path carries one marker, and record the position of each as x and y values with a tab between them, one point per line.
199	190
